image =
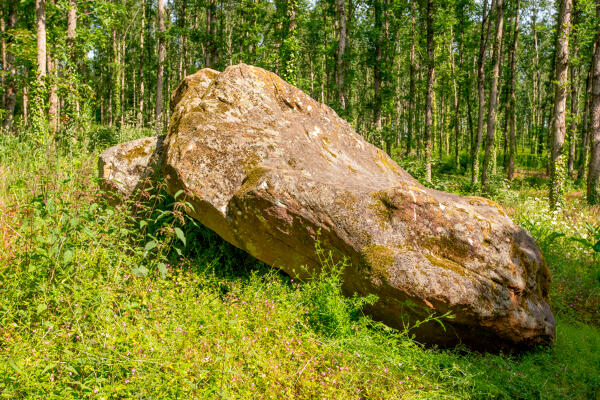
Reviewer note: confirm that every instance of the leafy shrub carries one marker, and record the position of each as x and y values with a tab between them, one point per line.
102	137
446	165
590	239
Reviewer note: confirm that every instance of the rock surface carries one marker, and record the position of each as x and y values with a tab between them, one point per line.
272	171
123	168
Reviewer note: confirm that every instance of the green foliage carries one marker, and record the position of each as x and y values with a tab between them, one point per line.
103	137
544	234
330	313
590	239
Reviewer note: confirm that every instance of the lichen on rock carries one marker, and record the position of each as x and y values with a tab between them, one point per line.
122	169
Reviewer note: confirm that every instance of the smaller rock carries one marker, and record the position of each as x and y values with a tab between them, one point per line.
123	169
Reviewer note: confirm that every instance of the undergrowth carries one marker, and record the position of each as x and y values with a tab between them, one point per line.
140	301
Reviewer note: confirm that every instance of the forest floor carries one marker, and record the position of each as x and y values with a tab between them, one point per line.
95	303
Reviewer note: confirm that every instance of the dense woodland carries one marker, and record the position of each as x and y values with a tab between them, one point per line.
484	85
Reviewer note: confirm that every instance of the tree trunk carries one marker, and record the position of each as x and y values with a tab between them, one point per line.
441	123
289	59
429	100
493	101
574	119
536	112
593	183
160	71
340	71
71	23
116	80
52	93
211	29
323	77
40	17
4	66
412	73
10	95
312	76
109	106
483	40
141	91
377	67
52	96
71	37
512	100
122	84
456	90
470	122
557	161
38	112
26	105
582	165
182	37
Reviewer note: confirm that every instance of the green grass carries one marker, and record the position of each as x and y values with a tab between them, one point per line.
95	303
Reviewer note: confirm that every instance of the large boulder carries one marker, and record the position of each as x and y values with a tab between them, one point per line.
273	171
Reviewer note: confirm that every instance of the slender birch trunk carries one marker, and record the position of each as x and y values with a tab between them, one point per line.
557	161
483	41
512	98
141	72
493	101
593	183
340	71
160	72
429	100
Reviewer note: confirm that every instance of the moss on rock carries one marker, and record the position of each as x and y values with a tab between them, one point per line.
253	176
383	207
379	258
138	152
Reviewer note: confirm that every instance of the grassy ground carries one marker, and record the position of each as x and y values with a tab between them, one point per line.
97	304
